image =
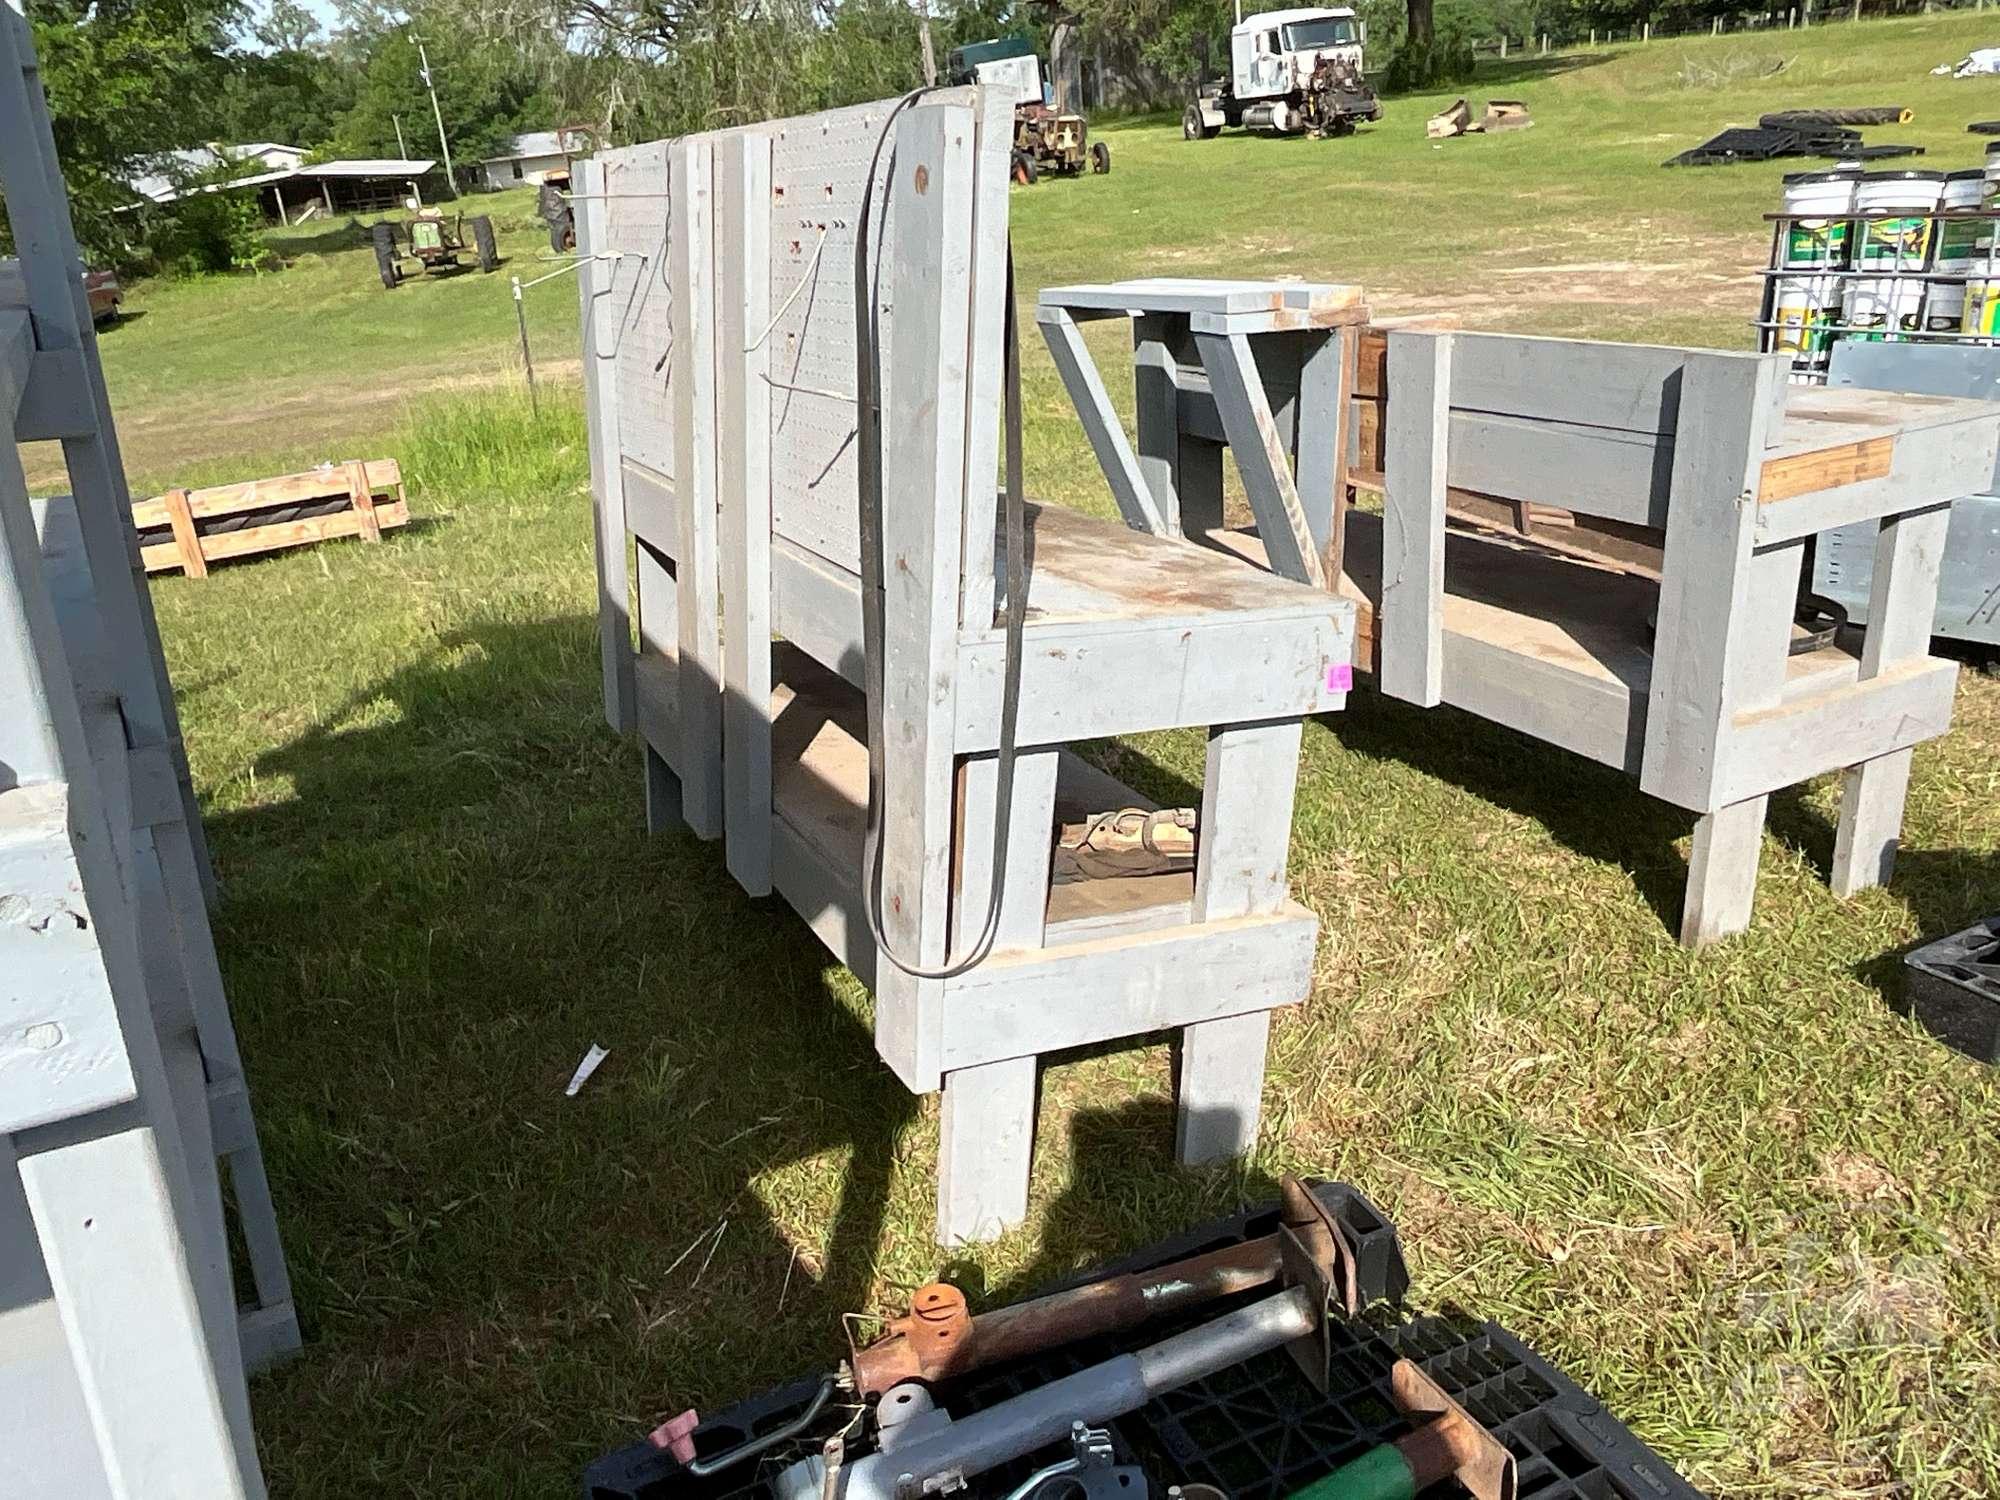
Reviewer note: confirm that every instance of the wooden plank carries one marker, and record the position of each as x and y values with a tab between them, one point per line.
986	1143
1909	551
1319	451
1808	736
923	477
223	545
1261	457
1827	469
1722	872
650	511
1246	830
1925	466
1135	500
691	273
1024	897
1219	1088
1870	830
1221	297
1195	673
597	283
1025	1002
114	1252
1724	614
385	474
187	543
743	410
986	357
1156	424
1410	620
363	500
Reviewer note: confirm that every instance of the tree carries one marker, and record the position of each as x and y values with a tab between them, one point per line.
287	27
483	96
128	83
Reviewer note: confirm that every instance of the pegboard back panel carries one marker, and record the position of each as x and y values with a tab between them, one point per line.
819	172
637	181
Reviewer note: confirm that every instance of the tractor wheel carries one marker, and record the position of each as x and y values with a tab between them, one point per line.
1100	157
1025	170
562	234
482	239
385	255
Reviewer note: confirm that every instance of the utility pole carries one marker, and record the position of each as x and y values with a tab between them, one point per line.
424	58
401	150
924	37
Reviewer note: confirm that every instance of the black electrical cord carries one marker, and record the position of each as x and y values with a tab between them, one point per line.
868	462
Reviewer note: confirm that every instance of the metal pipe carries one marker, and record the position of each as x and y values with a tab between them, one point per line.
914	1349
983	1441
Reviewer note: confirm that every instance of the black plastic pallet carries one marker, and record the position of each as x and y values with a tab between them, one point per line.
1258	1430
1953	988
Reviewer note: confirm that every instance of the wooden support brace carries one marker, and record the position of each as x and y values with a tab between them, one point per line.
1722	872
986	1145
362	494
1409	628
1261	457
1136	501
1246	830
187	541
1909	552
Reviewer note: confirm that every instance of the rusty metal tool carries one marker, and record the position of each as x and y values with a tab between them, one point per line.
1449	1444
939	1339
923	1452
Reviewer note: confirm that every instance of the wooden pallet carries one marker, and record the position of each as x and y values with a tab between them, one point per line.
372	488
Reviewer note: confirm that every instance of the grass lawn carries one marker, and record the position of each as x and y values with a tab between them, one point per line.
1729	1191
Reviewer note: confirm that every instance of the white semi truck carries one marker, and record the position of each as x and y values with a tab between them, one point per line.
1291	72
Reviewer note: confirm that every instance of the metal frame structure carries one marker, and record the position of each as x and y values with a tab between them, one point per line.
720	358
1681	670
124	1348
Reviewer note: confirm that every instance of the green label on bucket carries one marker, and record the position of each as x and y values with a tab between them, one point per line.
1816	242
1901	243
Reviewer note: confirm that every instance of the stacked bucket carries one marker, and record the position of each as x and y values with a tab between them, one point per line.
1882	255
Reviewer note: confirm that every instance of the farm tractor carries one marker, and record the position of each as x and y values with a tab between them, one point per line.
434	243
1291	72
1045	139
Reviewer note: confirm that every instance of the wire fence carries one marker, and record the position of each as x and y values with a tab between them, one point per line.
1762	22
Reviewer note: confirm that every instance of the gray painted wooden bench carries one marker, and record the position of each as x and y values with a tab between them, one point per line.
719	351
1665	644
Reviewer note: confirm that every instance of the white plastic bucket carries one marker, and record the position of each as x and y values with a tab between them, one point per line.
1879	307
1819	238
1964	246
1982	307
1901	240
1803	310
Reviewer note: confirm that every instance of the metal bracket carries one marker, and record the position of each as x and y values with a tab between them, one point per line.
1317	1256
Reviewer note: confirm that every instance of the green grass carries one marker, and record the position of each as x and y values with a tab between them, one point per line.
1730	1191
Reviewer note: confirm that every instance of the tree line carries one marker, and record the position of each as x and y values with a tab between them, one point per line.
133	82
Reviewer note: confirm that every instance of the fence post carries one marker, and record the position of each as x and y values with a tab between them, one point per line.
1593	31
1857	9
1646	33
1503	46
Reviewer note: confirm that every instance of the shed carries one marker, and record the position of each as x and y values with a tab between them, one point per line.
532	155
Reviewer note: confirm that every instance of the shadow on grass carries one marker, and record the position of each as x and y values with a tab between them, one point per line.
351	235
453	902
1592	809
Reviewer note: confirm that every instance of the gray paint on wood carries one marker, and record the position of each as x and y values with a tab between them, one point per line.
1261	457
1410	622
1100	423
986	1143
691	262
597	286
743	412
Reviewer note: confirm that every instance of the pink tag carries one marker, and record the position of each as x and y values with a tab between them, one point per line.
676	1435
1339	678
